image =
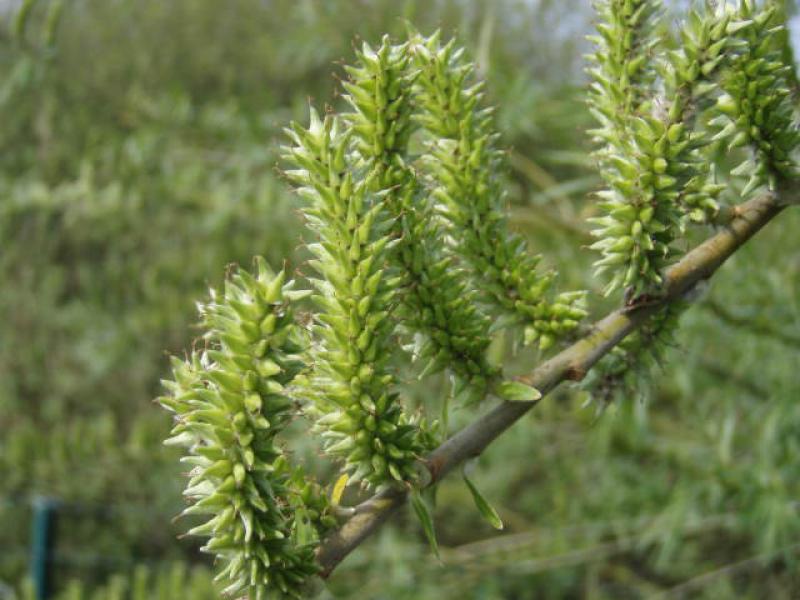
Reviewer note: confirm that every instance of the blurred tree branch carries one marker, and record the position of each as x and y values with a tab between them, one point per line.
721	372
696	583
752	325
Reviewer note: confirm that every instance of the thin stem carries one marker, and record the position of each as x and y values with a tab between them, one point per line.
695	583
516	542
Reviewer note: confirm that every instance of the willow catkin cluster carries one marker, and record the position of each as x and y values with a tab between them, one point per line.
656	152
654	156
403	195
230	401
436	305
360	415
690	76
462	166
651	155
757	105
651	152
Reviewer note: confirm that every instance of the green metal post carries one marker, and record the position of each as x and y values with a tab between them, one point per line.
42	544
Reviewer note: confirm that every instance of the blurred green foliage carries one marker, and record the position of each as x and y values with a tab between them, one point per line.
138	150
165	582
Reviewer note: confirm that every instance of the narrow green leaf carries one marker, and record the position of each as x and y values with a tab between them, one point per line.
338	489
517	391
487	510
424	516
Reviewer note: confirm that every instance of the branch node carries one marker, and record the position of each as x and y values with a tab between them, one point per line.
431	471
575	373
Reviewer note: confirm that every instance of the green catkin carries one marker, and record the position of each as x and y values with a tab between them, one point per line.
230	401
622	72
757	107
360	416
436	306
622	67
653	155
690	76
638	154
462	167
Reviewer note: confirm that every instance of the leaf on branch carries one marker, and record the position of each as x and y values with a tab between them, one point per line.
425	518
516	391
487	510
338	489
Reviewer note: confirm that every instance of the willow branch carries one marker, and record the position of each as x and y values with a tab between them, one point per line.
571	364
